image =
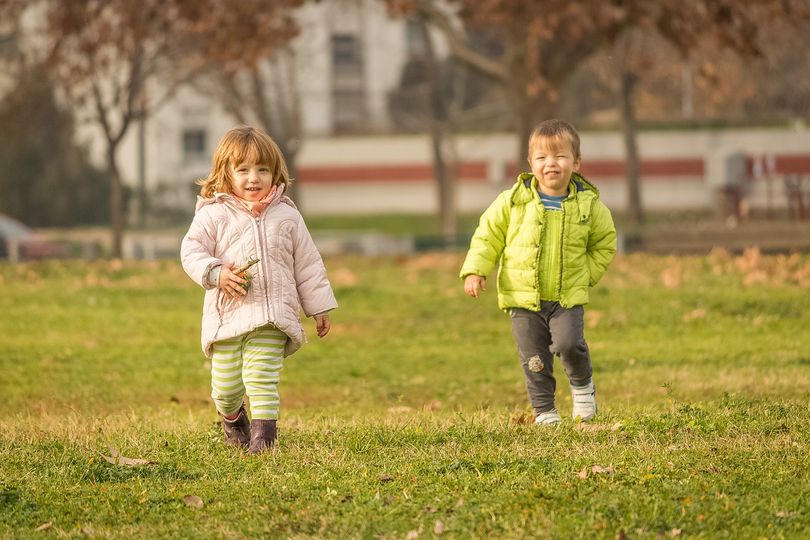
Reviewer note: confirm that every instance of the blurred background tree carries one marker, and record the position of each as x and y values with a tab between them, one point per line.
116	61
46	179
604	65
540	48
254	76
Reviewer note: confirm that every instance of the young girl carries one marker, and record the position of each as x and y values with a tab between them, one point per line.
251	318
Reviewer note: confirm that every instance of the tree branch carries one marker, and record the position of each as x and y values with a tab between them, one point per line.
457	42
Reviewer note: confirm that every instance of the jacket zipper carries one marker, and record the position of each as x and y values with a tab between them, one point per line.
260	245
562	251
538	260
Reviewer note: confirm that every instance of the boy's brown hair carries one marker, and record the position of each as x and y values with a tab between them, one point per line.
553	132
241	145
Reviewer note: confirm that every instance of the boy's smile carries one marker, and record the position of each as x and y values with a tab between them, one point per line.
552	162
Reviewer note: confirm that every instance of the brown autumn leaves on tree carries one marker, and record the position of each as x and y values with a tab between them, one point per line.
542	42
118	60
254	76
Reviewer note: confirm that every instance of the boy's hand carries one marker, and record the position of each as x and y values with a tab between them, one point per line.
231	283
322	324
473	285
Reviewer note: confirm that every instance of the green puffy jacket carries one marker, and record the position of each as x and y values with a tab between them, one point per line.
510	231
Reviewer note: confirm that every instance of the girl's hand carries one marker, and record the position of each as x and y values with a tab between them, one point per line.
473	285
231	283
322	323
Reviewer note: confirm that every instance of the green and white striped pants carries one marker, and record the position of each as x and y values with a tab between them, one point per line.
250	364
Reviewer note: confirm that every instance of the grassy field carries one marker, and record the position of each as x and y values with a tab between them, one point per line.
410	420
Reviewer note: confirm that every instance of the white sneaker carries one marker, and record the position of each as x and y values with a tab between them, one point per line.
584	398
548	418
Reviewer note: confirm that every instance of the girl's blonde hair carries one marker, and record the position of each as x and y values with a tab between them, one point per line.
243	145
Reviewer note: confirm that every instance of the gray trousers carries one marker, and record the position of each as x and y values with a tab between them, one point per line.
539	335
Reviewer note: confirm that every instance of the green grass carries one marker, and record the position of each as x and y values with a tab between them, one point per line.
411	418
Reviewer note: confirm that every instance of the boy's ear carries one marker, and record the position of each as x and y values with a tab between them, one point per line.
577	163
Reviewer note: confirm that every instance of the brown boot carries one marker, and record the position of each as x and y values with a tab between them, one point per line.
262	436
237	431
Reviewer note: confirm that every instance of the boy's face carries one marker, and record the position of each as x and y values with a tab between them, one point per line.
552	162
251	181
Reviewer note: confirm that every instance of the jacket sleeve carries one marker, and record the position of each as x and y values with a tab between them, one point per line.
488	240
313	286
197	249
601	243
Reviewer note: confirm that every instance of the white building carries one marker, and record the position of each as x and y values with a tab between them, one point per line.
350	56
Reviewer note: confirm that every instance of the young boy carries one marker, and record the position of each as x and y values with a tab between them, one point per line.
554	239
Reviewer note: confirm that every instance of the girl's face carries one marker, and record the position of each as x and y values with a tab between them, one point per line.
251	181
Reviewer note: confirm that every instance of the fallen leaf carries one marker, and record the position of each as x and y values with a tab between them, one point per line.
438	528
675	532
116	458
592	318
399	409
593	428
783	514
386	478
434	405
44	527
412	535
193	501
459	503
598	469
693	315
343	277
621	535
583	474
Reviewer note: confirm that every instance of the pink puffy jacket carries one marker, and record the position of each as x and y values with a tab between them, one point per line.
289	276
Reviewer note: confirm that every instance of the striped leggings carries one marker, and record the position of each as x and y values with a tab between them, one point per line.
250	364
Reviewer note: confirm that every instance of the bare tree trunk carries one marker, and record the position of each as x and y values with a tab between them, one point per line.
292	167
525	125
529	112
276	106
441	139
142	195
630	134
116	202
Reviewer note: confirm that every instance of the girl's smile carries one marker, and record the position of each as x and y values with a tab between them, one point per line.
251	181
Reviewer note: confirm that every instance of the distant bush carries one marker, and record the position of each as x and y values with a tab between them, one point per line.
46	179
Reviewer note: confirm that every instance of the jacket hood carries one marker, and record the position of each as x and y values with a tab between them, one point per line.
220	197
583	190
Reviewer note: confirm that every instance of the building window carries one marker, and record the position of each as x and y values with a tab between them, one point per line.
346	51
194	144
348	94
